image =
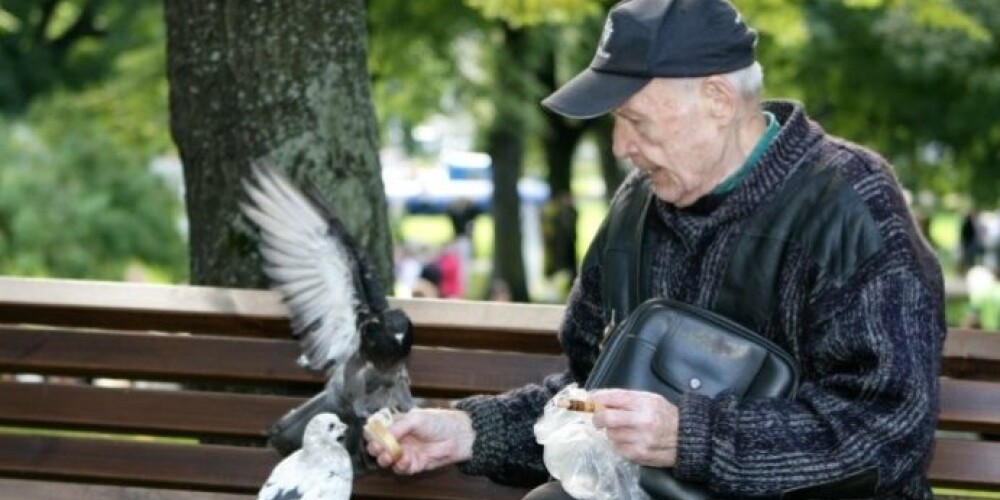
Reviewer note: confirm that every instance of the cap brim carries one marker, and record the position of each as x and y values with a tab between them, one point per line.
593	93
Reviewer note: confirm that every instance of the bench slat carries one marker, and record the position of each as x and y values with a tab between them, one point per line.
260	313
965	464
156	412
965	406
131	306
204	467
208	468
156	357
968	405
972	354
956	463
447	373
41	490
225	311
435	372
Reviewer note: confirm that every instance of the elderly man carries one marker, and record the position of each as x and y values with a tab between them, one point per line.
856	297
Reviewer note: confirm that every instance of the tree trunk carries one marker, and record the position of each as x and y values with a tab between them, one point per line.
505	144
284	82
561	136
611	169
560	143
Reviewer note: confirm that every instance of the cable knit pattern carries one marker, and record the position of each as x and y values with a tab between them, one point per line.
868	344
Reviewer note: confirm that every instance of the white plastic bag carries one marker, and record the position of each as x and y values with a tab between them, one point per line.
581	457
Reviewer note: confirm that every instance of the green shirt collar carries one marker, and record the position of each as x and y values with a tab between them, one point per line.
734	180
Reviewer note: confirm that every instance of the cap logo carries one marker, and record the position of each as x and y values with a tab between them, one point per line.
602	51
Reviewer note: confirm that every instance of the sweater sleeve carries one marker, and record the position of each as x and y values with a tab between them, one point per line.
505	448
870	362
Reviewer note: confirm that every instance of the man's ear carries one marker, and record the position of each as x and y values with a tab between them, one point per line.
720	99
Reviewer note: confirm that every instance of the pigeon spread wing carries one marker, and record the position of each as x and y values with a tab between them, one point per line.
310	267
338	310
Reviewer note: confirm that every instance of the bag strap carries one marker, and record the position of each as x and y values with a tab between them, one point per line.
748	288
621	282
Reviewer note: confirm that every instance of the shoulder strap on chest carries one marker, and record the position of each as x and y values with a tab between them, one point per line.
749	286
621	282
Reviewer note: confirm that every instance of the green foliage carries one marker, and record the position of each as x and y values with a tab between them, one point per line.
919	81
77	197
76	202
51	44
524	13
418	57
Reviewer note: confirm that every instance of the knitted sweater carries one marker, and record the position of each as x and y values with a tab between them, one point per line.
867	345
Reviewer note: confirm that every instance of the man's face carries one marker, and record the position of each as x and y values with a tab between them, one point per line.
664	129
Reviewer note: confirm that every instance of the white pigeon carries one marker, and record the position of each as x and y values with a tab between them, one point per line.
338	309
320	470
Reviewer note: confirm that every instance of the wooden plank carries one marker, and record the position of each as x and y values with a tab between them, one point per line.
484	325
966	464
957	464
154	412
208	468
446	373
443	484
225	311
434	372
968	405
135	463
46	490
61	302
153	357
972	354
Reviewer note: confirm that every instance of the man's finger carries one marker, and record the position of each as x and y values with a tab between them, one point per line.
613	398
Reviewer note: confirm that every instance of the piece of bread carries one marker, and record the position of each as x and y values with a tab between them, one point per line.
377	429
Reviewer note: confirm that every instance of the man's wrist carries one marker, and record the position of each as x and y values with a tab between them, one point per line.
465	437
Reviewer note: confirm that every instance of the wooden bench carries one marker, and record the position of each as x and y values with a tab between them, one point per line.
125	401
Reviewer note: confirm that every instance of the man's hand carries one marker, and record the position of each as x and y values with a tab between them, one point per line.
641	425
429	439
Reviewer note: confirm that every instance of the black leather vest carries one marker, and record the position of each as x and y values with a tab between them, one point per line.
815	210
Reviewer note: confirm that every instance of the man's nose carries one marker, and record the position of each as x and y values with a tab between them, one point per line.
622	144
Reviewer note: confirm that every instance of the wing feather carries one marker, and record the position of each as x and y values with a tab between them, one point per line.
310	269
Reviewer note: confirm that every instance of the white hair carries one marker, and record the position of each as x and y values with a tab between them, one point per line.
749	81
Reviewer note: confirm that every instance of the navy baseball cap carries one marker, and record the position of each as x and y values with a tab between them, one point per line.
646	39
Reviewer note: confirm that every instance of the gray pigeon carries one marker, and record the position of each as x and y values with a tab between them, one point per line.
320	470
338	311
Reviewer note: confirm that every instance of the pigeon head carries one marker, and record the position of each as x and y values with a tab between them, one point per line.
324	430
398	325
386	338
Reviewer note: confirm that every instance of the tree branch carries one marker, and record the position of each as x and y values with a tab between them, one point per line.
48	9
83	27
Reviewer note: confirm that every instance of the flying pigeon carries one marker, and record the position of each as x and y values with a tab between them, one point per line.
338	310
320	470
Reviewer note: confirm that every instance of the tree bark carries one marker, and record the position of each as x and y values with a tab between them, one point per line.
284	82
506	145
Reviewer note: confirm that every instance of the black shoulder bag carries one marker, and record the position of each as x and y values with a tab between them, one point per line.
670	348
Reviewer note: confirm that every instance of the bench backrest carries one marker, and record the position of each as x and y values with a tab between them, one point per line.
207	370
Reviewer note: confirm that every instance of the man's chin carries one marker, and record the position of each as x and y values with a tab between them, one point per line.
665	194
